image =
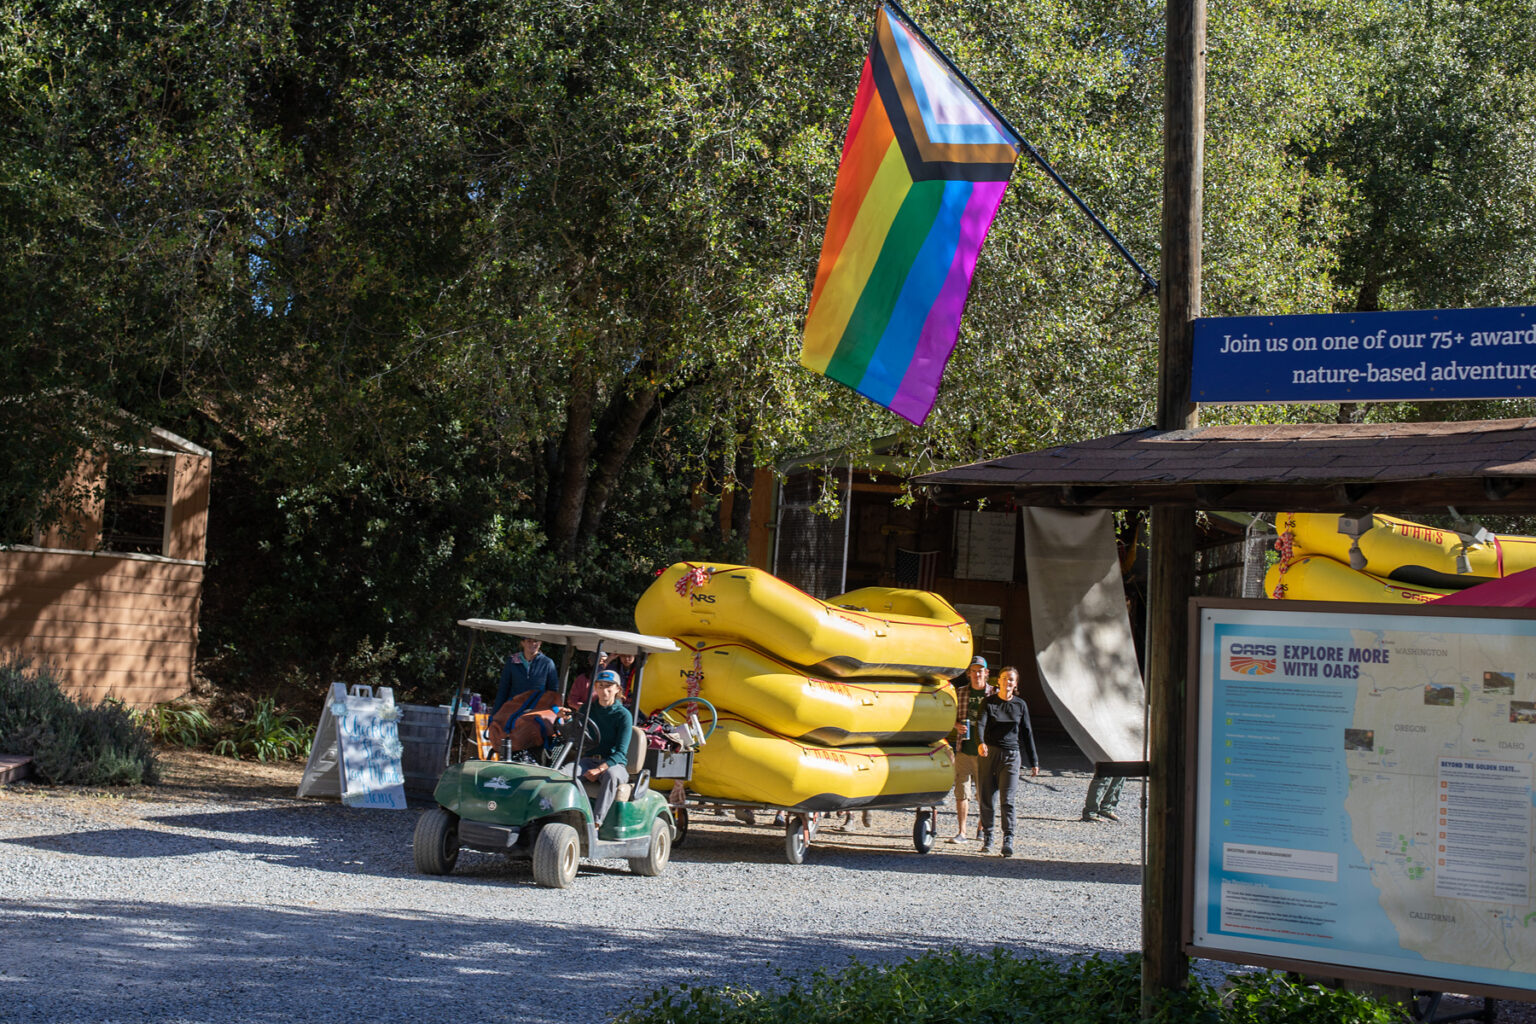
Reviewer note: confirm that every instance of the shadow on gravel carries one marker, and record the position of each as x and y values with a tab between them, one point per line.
828	851
315	837
114	961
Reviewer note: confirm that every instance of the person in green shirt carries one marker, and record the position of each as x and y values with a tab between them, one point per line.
603	763
969	695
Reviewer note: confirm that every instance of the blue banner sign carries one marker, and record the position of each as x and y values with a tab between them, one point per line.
1413	355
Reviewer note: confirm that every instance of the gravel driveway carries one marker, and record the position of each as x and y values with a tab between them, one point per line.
235	906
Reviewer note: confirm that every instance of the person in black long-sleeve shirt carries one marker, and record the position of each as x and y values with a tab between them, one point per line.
1005	738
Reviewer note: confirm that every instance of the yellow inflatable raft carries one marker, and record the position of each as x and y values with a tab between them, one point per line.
1316	578
922	604
737	678
1412	553
745	762
740	603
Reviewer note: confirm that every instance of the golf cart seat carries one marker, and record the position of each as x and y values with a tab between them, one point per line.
634	762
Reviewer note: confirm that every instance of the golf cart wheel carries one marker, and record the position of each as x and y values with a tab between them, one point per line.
655	860
436	844
556	855
680	818
797	838
922	831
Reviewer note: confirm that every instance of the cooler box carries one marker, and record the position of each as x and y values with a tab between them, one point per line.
670	764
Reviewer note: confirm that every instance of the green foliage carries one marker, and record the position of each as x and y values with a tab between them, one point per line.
972	988
483	308
70	743
1442	202
267	734
179	725
1269	998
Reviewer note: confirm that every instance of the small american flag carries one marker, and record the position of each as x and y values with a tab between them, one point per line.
916	569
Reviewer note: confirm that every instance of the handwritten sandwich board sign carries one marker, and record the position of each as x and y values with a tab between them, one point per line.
356	752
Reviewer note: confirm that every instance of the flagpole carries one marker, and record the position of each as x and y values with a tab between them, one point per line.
1149	283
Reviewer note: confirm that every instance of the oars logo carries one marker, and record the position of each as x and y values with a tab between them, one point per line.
1250	659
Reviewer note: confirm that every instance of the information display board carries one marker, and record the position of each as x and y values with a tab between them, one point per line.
1364	793
984	545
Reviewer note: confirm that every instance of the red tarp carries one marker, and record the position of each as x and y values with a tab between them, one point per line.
1517	590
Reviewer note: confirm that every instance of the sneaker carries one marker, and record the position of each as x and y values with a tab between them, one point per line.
1008	847
1111	815
745	816
1088	816
957	839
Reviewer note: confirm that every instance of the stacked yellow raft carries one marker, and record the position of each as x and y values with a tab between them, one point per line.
1404	562
762	651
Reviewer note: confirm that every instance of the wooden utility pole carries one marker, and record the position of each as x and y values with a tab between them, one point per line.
1173	527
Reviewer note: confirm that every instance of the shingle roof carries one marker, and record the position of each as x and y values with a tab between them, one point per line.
1478	466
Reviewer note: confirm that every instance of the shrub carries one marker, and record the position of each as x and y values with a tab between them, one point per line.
269	734
179	725
70	742
971	988
1268	998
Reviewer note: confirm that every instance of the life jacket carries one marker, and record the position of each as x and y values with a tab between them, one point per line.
527	719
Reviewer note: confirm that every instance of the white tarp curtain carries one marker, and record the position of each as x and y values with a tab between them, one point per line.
1082	632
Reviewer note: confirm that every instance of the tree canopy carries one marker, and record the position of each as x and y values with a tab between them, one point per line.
482	307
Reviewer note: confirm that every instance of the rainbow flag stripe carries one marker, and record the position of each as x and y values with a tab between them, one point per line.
924	167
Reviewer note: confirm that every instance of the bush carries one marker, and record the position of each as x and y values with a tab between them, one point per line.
178	725
70	742
268	735
972	988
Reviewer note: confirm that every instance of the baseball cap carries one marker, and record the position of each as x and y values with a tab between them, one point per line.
979	660
608	675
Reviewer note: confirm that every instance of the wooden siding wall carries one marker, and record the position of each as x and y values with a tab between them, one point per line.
112	625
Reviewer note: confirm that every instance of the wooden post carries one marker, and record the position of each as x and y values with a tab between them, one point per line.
1171	572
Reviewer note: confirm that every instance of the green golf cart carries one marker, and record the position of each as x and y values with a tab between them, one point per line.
539	807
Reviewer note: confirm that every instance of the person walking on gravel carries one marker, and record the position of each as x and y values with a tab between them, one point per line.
966	738
1004	724
1103	796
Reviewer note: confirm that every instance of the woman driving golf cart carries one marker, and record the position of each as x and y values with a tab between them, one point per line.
603	760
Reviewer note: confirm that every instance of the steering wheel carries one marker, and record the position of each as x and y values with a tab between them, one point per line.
572	728
714	715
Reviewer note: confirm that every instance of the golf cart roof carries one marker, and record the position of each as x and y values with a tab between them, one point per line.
583	638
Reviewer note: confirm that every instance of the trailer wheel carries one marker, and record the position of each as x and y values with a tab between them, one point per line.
922	831
797	838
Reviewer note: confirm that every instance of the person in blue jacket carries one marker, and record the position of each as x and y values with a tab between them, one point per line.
526	670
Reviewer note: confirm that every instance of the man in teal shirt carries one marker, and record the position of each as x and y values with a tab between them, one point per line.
604	762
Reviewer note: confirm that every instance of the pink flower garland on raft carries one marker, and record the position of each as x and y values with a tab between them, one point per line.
1286	545
695	578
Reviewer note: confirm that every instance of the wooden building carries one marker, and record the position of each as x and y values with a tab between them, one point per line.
969	551
973	557
110	596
